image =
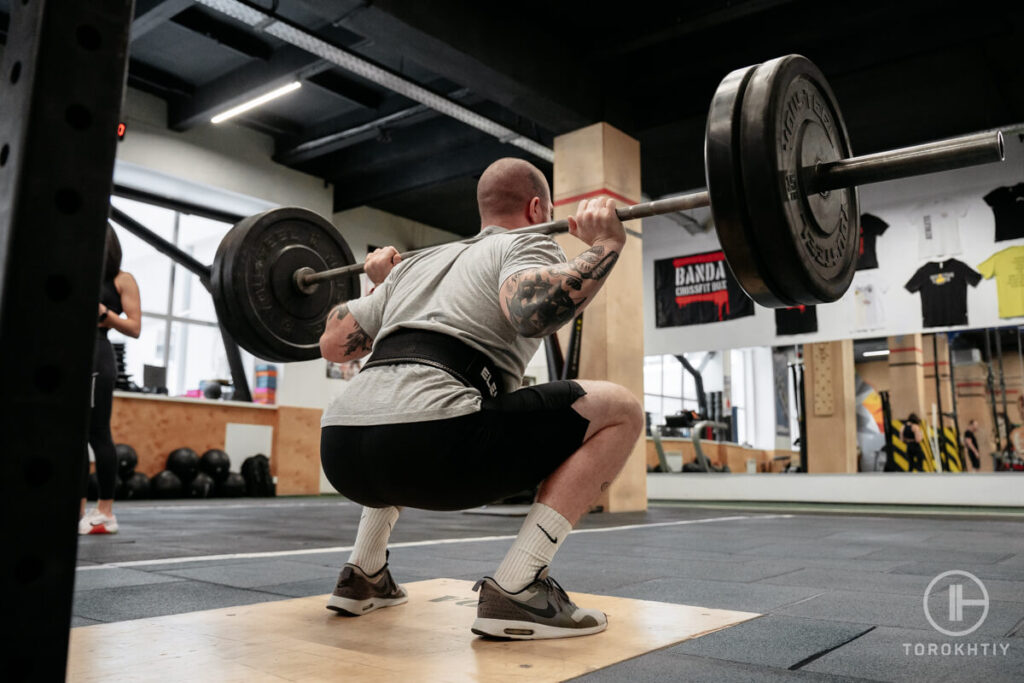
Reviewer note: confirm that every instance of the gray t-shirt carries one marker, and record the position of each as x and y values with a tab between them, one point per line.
452	289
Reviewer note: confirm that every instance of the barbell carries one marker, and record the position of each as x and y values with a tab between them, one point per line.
782	187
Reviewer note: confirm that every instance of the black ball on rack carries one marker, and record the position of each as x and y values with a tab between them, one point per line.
200	487
165	485
233	486
127	460
215	463
184	462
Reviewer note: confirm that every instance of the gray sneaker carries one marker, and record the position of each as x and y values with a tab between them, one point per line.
358	593
540	610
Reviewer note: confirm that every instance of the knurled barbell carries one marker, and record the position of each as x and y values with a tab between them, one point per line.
781	184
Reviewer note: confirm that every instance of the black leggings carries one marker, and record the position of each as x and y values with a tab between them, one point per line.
104	373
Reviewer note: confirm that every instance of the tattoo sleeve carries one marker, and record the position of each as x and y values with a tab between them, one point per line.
541	300
357	342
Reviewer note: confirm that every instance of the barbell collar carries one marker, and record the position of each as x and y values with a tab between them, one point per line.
932	157
657	207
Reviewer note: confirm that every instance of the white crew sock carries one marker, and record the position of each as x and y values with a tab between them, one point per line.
542	533
370	550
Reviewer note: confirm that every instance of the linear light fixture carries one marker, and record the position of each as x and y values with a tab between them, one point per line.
256	101
883	352
349	61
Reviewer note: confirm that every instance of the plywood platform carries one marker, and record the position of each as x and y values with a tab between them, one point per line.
427	639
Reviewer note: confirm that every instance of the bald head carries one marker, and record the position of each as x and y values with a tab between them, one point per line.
513	193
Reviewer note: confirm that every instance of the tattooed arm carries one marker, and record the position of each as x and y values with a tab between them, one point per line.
343	339
538	301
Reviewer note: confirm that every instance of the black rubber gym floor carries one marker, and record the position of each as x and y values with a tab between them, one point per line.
841	594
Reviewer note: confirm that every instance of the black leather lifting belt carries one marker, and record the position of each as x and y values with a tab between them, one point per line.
471	367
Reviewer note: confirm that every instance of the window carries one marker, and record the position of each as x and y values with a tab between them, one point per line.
179	324
668	388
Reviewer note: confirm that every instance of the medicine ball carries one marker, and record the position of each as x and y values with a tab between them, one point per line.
166	484
215	463
233	486
136	487
201	486
127	460
184	462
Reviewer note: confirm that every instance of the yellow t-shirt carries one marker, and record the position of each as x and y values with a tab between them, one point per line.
1008	268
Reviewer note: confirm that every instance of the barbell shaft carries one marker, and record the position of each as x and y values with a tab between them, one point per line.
658	207
932	157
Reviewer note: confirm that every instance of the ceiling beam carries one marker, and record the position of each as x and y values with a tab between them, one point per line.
151	13
352	128
469	45
435	151
364	189
211	26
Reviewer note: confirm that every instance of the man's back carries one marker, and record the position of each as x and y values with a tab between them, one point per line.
453	290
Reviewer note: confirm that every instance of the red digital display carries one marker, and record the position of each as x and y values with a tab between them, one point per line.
121	128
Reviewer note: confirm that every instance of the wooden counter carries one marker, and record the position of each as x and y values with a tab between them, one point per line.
156	425
718	452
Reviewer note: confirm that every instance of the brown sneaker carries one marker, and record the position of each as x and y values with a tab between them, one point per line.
358	593
540	610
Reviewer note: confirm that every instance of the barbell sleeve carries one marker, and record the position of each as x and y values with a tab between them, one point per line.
931	157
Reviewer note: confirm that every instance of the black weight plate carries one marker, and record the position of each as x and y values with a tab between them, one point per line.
254	286
228	310
725	186
790	120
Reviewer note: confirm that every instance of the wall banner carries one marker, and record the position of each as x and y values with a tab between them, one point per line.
696	289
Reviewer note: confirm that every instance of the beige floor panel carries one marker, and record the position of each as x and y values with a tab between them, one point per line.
427	639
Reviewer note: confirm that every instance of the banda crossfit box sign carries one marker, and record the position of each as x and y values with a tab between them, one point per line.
695	289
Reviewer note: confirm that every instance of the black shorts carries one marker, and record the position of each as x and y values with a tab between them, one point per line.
512	444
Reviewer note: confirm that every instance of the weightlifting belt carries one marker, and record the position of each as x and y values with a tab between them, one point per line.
458	359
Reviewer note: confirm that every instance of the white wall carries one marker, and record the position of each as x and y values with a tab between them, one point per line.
226	157
898	259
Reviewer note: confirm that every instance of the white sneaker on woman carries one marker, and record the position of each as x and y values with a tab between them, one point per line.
94	522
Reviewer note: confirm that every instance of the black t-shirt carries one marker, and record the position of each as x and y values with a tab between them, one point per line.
943	287
796	320
1008	207
969	437
870	228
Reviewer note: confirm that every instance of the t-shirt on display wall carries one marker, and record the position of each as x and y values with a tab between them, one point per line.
936	253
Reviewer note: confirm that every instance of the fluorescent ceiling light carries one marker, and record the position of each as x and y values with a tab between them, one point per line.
883	352
255	102
349	61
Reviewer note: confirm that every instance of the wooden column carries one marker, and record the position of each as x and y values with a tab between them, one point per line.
831	407
601	161
906	376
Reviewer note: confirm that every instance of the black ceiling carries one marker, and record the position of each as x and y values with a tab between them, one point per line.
903	72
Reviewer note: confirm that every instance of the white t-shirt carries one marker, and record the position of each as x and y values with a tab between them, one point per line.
452	289
937	224
868	311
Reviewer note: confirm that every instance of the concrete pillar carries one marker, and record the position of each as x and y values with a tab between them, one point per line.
600	160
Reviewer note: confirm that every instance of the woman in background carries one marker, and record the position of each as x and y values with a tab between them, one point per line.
119	296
